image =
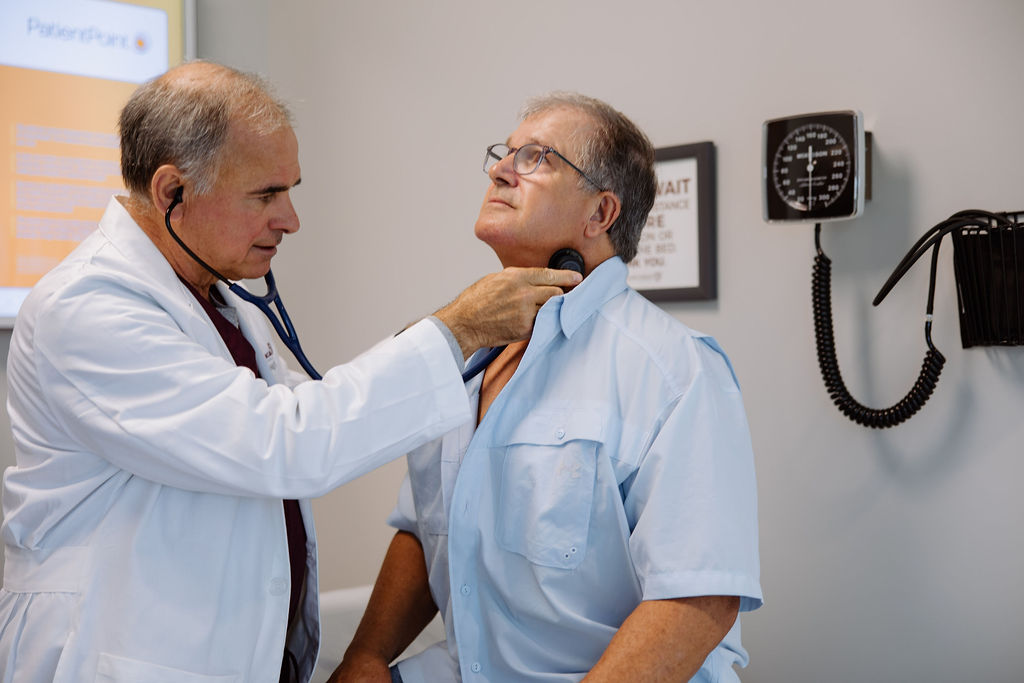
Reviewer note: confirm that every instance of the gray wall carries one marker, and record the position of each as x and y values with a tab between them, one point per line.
886	555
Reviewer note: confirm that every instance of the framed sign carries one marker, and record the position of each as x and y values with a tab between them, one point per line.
675	259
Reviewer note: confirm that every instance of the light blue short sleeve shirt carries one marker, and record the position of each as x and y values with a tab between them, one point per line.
614	467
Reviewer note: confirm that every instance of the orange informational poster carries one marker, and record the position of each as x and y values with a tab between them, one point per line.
66	69
62	166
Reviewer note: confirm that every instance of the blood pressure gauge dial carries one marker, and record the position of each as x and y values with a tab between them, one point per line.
813	167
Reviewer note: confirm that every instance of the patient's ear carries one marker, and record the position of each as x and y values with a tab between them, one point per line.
606	212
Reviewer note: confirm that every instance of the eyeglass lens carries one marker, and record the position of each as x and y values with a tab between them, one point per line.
526	160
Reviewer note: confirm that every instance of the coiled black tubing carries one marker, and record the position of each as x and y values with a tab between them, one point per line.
931	367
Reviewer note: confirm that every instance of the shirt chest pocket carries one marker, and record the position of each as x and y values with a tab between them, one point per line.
548	474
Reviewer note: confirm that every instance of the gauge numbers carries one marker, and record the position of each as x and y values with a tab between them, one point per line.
811	167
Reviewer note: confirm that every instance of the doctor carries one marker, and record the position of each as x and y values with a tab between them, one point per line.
155	527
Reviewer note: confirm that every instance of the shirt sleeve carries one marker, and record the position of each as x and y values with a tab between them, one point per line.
692	503
453	343
403	517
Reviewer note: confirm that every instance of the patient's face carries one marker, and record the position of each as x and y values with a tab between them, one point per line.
526	218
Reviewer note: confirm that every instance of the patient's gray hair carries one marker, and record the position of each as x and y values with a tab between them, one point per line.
617	155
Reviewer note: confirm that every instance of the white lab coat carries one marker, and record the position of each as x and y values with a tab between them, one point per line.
143	527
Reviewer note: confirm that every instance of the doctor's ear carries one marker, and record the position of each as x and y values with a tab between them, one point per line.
166	187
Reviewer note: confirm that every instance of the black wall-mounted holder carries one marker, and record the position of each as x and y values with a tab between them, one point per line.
988	261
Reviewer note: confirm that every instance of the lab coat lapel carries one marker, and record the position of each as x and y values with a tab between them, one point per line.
155	277
256	329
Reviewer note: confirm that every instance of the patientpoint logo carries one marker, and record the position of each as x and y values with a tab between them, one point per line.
86	35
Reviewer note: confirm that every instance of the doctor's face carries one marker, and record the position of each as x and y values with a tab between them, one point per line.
237	226
526	218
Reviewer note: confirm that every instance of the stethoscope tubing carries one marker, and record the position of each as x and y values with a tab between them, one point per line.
481	363
284	328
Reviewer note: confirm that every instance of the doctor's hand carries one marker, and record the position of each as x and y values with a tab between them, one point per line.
499	308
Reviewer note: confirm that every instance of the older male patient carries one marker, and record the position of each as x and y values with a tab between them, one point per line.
597	519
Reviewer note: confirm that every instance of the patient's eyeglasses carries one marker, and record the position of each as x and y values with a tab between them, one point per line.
528	159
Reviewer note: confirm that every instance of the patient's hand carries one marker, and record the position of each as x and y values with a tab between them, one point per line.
364	668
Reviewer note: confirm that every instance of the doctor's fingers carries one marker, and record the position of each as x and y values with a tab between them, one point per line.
549	277
513	300
500	307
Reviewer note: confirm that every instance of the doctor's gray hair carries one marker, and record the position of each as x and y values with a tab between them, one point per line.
617	155
183	118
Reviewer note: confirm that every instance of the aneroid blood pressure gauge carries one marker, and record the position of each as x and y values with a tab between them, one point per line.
813	167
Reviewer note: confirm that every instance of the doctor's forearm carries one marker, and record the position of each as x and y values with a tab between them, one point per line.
666	640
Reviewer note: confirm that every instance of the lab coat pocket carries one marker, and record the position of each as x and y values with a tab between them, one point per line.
547	488
113	669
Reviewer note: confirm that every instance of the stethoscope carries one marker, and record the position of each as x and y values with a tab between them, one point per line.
284	327
563	259
480	364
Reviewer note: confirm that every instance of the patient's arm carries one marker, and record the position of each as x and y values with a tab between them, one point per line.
666	640
400	607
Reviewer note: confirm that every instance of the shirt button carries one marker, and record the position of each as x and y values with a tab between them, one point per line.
475	668
278	586
466	590
560	433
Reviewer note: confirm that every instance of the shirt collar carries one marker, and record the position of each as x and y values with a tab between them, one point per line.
604	282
